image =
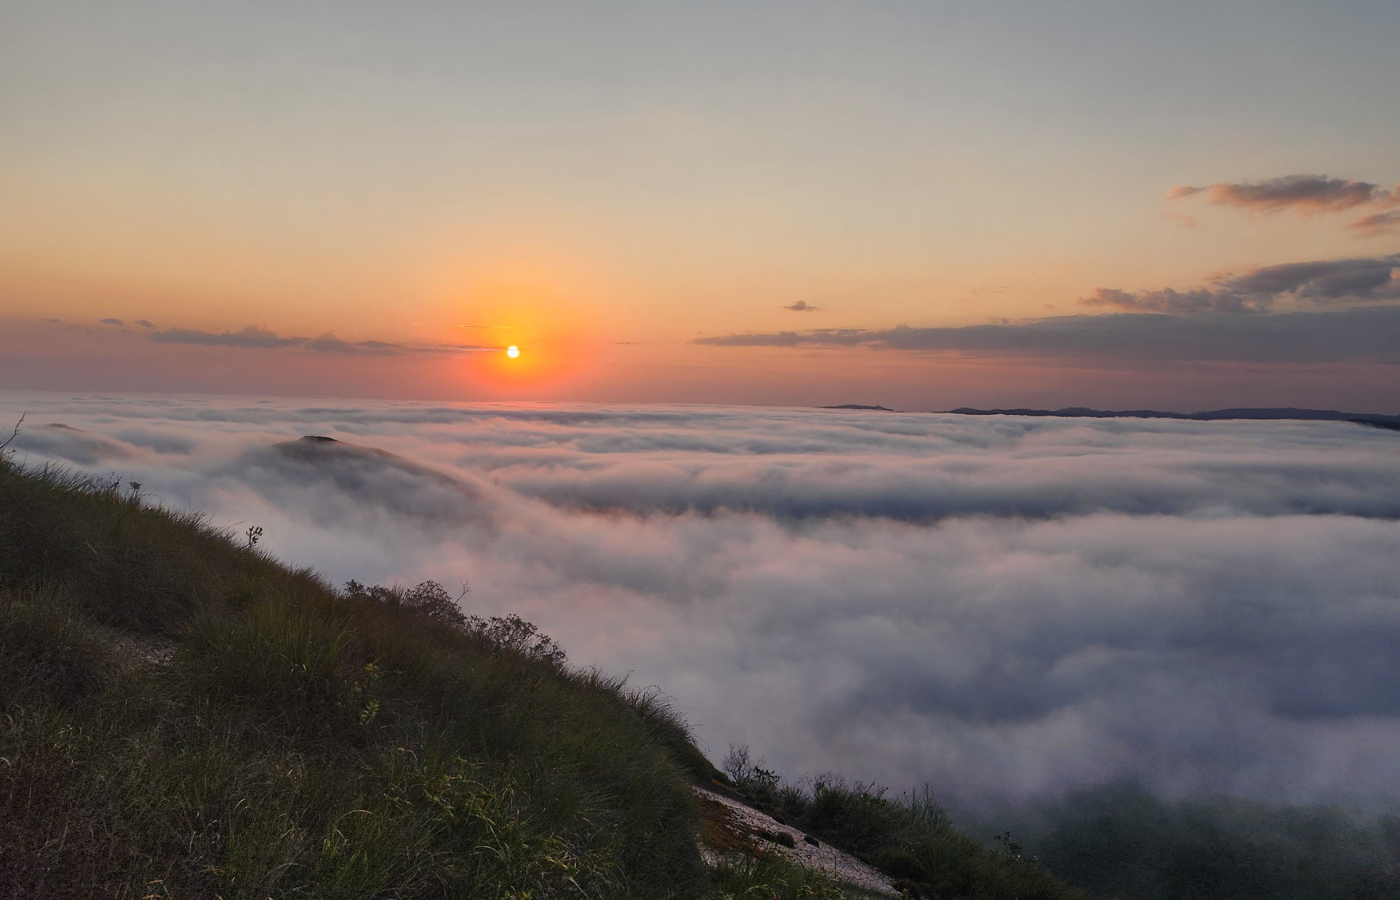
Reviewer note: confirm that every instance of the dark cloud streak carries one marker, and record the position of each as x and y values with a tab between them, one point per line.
1229	321
1321	282
1301	337
1376	224
1307	195
257	338
1301	193
1167	300
252	337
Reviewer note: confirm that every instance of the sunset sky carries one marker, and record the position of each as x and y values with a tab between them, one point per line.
922	205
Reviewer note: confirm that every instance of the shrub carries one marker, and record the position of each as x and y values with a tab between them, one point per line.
899	862
515	635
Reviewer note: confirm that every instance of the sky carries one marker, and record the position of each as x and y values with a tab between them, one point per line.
1005	608
924	205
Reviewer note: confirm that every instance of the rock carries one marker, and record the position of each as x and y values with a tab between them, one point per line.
778	837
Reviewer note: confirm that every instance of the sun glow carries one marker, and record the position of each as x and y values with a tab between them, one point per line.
512	351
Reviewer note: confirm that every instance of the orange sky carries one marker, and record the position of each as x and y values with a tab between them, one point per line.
602	190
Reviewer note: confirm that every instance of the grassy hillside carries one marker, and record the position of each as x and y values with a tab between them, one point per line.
299	740
181	716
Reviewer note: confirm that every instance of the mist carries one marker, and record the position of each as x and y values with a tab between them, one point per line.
1007	609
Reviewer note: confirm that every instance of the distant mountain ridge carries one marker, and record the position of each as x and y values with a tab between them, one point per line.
1286	412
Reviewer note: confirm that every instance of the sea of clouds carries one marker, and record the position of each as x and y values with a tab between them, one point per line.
1002	607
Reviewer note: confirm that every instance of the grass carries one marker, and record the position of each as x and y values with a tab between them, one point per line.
770	878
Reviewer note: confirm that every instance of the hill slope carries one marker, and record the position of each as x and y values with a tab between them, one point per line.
300	741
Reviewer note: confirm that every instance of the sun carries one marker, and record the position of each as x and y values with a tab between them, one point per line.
512	351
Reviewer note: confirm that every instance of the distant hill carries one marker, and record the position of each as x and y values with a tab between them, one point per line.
1287	412
857	406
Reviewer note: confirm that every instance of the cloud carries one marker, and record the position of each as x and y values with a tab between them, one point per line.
341	473
1377	224
1323	281
157	440
1306	194
459	348
1219	322
252	337
1200	300
1000	606
257	338
803	306
1340	335
112	322
58	441
144	324
329	343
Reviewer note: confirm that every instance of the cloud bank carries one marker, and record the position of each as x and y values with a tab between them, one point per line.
1319	282
255	337
1003	607
1298	337
252	337
1217	323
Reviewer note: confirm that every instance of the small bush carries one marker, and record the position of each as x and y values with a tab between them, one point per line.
899	862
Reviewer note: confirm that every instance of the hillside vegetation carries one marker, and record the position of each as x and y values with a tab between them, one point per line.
182	716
